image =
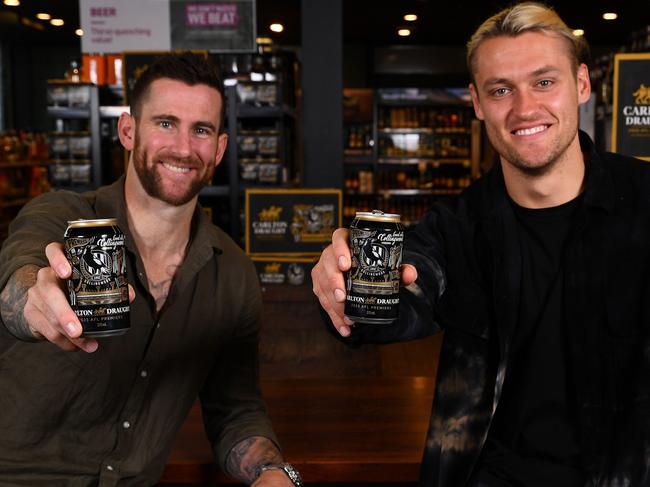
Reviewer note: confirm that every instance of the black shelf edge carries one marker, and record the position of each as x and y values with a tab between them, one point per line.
250	111
418	192
212	191
67	112
14	202
358	159
21	164
396	161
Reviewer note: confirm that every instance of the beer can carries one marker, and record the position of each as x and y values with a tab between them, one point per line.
373	279
98	290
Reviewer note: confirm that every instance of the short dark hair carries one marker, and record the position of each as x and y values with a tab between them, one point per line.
189	67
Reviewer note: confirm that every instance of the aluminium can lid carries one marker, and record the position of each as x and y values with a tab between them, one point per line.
99	222
378	216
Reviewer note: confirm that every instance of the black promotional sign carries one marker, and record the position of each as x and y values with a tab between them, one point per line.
291	222
136	63
631	116
216	25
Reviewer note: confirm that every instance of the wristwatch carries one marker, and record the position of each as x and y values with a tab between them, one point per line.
287	468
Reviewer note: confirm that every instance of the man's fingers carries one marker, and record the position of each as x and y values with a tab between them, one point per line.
341	249
51	300
57	260
409	274
335	312
88	345
131	293
43	328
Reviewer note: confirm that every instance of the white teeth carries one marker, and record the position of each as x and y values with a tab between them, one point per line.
176	168
530	131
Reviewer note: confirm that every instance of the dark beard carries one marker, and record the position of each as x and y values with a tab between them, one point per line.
151	181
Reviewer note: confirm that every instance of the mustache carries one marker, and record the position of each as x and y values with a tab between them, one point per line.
170	157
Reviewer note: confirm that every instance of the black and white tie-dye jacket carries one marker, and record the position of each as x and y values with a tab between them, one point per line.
468	261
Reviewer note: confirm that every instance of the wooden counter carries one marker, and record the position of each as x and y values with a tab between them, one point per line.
345	430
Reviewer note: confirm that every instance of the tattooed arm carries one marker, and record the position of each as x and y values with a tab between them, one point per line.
248	456
34	307
12	303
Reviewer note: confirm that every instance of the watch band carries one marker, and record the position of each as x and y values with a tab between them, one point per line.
288	469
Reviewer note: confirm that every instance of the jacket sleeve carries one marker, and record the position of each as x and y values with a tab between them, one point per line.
423	248
231	400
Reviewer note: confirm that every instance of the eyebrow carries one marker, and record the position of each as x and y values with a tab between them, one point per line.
174	118
538	72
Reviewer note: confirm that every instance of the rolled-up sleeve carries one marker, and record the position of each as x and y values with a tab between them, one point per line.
231	400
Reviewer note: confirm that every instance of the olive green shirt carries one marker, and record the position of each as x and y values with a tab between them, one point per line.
109	417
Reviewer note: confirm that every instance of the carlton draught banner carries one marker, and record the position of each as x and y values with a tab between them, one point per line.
291	222
631	110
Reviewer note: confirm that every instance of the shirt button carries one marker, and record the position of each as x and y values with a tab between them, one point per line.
144	374
109	468
126	425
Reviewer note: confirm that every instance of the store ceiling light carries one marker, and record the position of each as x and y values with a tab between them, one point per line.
79	32
43	16
410	17
57	22
610	16
404	32
276	27
12	3
578	32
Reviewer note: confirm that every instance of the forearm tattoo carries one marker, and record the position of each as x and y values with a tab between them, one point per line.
13	299
247	456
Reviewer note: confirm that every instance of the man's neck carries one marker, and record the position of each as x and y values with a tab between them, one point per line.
159	229
161	232
561	184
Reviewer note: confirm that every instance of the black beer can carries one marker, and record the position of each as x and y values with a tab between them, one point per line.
374	277
98	290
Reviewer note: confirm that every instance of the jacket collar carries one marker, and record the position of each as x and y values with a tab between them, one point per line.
598	188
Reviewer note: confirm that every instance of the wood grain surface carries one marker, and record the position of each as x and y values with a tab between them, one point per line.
334	430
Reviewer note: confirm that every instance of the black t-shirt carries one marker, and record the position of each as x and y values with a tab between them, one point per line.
532	440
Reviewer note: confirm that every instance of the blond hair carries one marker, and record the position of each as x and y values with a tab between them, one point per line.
526	17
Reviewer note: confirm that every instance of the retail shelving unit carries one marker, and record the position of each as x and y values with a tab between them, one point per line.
425	146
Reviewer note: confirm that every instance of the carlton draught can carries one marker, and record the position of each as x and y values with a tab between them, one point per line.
98	290
374	277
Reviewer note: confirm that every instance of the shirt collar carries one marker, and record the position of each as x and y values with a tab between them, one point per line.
110	203
598	188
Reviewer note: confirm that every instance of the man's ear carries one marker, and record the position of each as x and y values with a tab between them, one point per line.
222	143
584	84
126	131
475	101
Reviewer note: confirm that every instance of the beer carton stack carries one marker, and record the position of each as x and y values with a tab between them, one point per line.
287	229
